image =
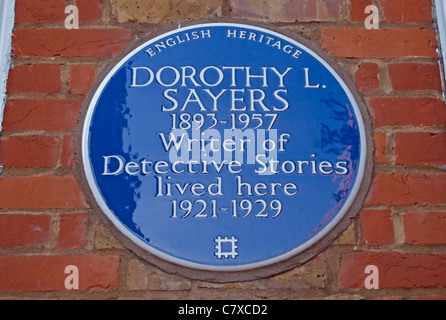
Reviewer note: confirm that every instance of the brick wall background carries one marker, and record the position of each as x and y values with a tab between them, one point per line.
46	224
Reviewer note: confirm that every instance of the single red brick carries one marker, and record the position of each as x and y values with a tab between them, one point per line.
70	42
380	147
287	11
425	227
47	273
380	43
415	76
357	9
82	77
89	10
396	270
37	11
36	78
377	227
46	115
396	11
67	156
29	151
367	77
407	189
311	10
41	192
418	112
72	228
420	148
17	230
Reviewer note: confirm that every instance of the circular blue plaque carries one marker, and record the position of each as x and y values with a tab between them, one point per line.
223	147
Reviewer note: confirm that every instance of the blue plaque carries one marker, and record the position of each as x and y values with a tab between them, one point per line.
223	147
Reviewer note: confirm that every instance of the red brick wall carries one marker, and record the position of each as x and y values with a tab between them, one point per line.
46	223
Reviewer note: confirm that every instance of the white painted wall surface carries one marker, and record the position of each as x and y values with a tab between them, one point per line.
6	27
